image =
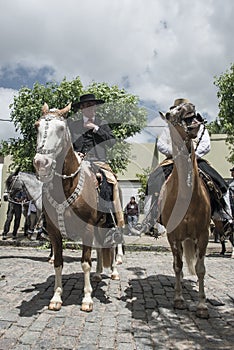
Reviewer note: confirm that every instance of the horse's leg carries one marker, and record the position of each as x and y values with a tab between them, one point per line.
119	254
87	302
51	256
231	239
56	301
177	251
97	277
202	309
223	247
114	273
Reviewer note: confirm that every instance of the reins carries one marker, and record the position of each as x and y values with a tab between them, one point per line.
41	149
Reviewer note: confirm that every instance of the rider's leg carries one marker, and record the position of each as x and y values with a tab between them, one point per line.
227	211
154	185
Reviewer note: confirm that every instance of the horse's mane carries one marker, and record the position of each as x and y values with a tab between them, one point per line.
10	177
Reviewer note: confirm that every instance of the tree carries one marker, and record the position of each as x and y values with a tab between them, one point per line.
214	127
225	94
120	109
143	178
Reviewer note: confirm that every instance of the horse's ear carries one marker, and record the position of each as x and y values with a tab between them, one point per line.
17	170
65	110
163	116
45	109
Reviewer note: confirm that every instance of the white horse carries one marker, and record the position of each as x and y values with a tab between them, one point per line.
70	202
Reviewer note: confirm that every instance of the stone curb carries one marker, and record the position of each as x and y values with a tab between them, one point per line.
77	246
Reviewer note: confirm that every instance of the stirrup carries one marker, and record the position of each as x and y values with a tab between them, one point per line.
141	228
113	237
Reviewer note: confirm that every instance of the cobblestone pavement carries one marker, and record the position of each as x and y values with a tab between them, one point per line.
133	313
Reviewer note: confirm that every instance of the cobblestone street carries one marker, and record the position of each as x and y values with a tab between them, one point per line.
133	313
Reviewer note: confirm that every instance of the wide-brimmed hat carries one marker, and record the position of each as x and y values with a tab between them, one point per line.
179	101
232	169
86	98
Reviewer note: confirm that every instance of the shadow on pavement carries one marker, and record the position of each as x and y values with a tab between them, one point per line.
150	301
73	285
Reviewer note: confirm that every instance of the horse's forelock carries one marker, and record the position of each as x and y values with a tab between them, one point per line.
182	112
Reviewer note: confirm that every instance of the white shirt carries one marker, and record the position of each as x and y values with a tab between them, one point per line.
165	147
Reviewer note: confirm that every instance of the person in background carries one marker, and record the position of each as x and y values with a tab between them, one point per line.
14	210
32	218
132	213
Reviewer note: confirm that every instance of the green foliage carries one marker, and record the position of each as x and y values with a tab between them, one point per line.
215	128
225	94
121	110
143	177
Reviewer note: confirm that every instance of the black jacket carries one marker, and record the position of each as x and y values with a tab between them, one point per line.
92	143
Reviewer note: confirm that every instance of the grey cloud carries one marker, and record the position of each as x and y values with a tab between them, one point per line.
159	51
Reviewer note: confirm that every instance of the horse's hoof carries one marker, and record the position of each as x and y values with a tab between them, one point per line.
55	305
119	261
97	277
180	304
202	313
115	277
87	307
51	261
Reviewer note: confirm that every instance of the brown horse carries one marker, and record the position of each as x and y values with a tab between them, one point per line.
70	201
185	205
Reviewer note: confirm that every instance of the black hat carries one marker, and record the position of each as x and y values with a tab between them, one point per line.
86	98
232	169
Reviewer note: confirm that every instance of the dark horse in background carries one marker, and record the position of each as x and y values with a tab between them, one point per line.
70	202
27	182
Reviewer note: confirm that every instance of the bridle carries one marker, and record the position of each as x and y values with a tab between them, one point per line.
43	151
183	116
47	119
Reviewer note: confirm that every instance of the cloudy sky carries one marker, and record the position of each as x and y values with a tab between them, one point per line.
156	49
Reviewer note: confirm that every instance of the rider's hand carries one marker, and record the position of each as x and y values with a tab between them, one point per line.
89	125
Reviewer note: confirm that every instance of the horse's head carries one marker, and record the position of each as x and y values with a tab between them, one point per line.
53	141
12	185
184	120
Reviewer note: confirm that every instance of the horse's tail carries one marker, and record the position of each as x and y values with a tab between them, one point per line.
107	257
190	255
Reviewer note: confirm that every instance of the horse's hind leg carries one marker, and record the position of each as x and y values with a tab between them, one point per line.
231	239
97	277
114	273
87	302
119	254
223	247
202	309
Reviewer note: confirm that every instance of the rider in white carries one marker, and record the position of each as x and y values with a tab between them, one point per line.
202	147
158	176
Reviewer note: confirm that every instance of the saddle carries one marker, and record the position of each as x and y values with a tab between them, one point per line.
108	190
